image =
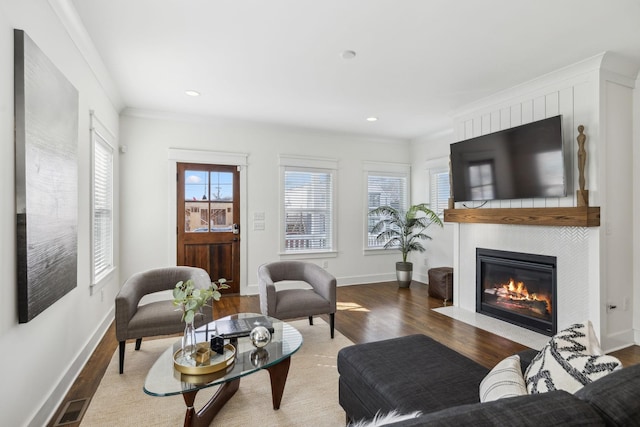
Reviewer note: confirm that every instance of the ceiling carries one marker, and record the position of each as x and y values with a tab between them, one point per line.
279	61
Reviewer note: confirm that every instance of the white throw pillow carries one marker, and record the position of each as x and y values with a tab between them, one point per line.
569	361
504	380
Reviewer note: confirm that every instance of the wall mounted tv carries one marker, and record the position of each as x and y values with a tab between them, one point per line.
519	163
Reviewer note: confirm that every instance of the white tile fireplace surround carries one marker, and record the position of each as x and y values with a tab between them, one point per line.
577	275
515	333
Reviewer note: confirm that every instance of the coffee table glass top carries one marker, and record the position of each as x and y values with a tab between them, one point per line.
164	380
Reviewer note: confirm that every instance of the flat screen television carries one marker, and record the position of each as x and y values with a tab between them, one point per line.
519	163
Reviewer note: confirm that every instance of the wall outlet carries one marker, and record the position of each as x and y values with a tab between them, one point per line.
626	301
325	264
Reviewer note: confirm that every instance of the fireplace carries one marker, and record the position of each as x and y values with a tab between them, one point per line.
518	288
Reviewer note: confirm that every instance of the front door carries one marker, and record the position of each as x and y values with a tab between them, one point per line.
208	220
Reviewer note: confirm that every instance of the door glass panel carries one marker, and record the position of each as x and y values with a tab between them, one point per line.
196	185
221	186
221	196
208	201
196	191
196	216
221	216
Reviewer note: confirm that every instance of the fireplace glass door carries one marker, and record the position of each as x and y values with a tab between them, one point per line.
518	288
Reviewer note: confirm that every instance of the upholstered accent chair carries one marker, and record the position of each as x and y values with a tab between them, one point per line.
135	321
292	303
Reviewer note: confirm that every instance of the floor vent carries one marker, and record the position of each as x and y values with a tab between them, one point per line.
72	412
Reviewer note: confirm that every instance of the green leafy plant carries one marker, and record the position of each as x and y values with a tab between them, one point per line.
190	299
404	230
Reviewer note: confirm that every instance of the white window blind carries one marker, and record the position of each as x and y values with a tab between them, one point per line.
384	189
308	205
387	185
440	190
308	210
102	205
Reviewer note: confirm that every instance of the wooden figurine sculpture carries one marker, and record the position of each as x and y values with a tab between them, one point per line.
582	195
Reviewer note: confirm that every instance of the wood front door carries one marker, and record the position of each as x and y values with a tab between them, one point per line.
208	220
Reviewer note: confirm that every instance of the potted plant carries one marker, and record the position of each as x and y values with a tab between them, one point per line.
404	231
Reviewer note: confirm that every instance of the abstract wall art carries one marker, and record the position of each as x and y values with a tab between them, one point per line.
46	145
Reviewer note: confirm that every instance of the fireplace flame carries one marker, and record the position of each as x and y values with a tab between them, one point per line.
517	293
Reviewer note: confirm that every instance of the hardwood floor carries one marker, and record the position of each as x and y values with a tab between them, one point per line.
365	313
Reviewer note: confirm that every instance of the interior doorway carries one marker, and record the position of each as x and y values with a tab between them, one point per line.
208	220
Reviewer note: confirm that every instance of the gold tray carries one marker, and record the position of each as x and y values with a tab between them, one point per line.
200	379
217	362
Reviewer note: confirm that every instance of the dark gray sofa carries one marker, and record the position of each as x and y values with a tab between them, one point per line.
416	373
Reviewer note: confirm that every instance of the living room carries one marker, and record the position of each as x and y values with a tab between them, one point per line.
597	91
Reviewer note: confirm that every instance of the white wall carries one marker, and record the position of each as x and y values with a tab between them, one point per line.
595	265
40	359
147	226
617	200
431	152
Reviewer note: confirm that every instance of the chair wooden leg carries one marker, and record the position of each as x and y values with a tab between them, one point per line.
122	346
332	323
138	342
311	320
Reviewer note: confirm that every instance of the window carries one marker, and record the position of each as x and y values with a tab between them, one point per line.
440	190
308	208
102	202
387	185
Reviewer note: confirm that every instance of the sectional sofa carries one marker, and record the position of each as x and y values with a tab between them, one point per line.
416	373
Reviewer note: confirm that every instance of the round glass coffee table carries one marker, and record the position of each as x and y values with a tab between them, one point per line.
164	380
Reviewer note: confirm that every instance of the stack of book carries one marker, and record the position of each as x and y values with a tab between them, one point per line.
236	328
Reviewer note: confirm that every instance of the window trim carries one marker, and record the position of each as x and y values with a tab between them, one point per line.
308	164
432	167
402	170
101	135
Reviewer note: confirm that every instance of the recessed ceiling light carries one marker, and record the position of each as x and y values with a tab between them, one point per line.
192	92
347	54
372	119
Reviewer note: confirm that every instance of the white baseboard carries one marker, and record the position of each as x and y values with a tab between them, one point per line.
618	341
55	399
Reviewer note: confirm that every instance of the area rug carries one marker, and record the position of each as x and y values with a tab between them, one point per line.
310	395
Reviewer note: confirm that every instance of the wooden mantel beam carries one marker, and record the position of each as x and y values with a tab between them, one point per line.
582	216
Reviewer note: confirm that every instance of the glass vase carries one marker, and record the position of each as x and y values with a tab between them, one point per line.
189	341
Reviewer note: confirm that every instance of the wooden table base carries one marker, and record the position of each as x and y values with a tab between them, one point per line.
278	374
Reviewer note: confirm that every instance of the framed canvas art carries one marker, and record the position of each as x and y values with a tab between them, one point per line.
46	132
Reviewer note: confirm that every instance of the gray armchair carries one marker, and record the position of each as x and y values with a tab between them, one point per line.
291	303
134	321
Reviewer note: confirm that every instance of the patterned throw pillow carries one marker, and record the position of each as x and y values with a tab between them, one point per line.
570	360
504	380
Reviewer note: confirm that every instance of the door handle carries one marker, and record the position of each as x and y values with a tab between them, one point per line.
235	228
